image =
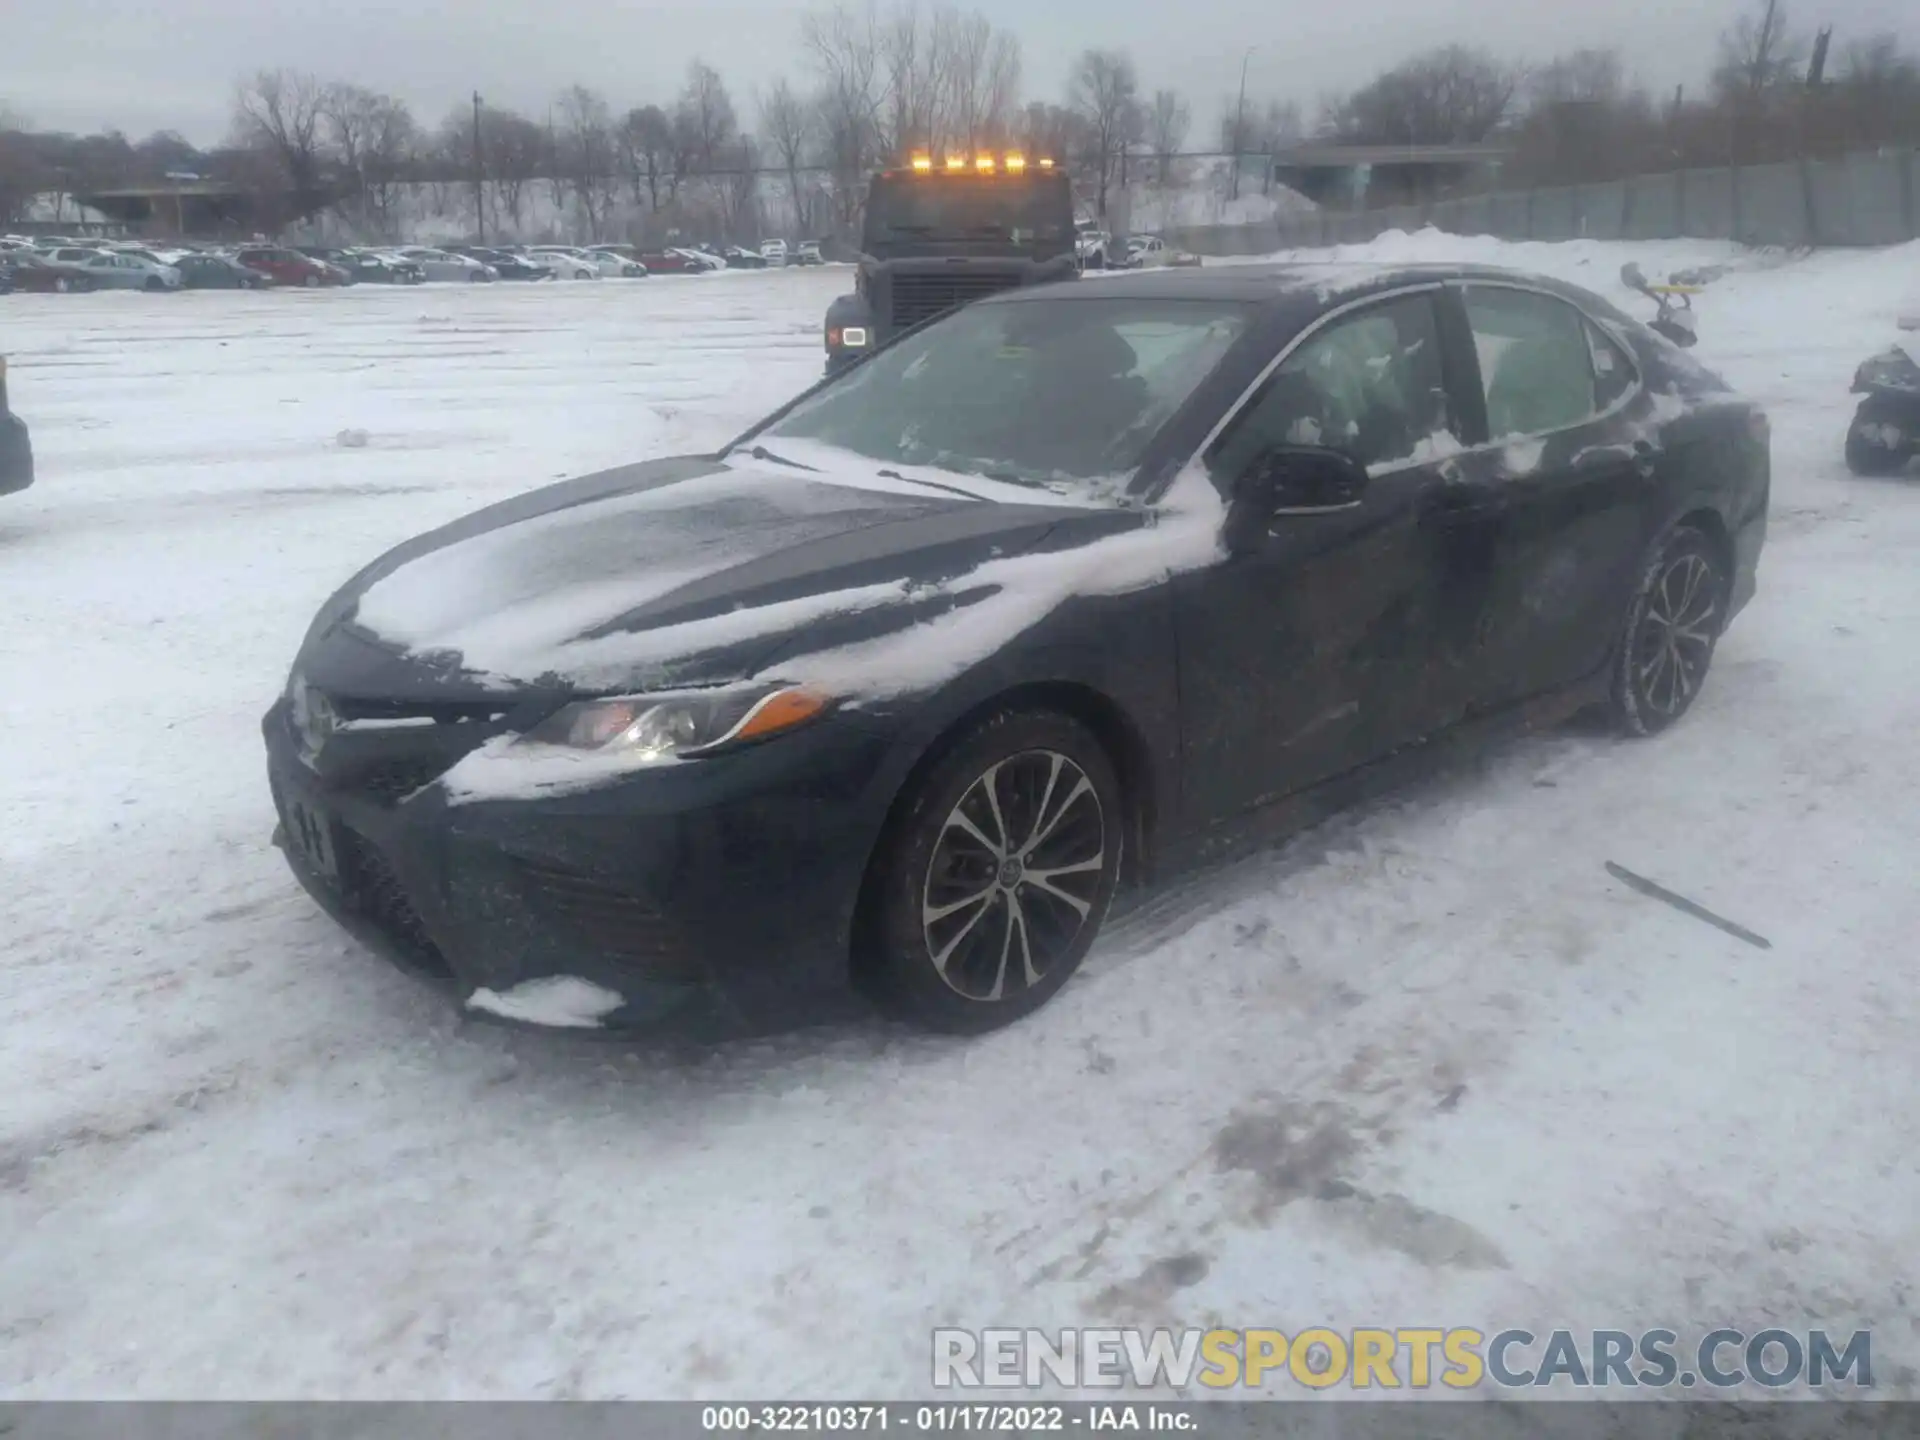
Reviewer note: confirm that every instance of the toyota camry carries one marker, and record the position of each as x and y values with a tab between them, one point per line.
1053	596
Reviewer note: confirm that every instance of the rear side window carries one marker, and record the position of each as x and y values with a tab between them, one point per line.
1537	364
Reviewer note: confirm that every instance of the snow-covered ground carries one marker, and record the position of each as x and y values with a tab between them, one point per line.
1428	1066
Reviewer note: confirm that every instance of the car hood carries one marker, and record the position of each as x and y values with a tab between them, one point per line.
686	571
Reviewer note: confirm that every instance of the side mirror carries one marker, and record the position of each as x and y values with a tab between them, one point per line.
1292	480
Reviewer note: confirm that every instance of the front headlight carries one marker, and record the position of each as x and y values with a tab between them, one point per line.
652	728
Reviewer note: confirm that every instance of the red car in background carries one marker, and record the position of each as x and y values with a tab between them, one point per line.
289	267
669	262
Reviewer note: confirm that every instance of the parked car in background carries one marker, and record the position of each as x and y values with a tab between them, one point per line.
738	258
218	272
69	254
809	253
16	446
130	272
701	258
446	265
1150	252
376	267
37	273
671	262
1094	247
284	266
774	252
566	262
506	264
619	261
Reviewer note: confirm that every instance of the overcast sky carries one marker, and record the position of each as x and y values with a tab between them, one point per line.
141	66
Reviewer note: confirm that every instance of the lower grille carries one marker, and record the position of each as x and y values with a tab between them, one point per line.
613	921
371	887
918	298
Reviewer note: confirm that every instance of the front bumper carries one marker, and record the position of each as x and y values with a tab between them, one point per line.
716	896
16	454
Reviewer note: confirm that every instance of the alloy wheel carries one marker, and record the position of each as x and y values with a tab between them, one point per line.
1014	875
1677	631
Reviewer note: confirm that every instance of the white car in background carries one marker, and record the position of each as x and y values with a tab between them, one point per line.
445	265
774	252
567	262
131	272
628	266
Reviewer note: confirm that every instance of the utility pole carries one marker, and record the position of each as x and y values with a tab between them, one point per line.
479	177
1240	122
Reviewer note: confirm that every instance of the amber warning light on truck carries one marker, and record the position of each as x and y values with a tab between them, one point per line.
984	163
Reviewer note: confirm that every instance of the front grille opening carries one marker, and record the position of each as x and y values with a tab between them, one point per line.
918	298
615	922
391	781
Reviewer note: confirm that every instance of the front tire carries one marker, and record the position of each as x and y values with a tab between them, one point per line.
995	875
1868	452
312	282
1673	625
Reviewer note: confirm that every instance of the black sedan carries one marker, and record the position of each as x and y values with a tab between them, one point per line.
1044	600
208	271
509	265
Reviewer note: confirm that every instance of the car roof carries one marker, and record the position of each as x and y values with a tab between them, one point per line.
1326	281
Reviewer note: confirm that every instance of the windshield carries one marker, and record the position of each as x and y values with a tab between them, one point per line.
1053	393
995	207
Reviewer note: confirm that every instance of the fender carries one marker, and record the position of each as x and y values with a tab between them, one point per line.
849	312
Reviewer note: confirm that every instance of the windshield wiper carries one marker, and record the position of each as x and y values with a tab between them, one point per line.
921	480
760	452
1005	477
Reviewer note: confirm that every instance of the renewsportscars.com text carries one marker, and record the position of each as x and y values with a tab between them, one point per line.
1380	1358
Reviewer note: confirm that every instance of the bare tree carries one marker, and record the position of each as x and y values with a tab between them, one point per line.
279	112
1167	120
1104	93
1003	88
709	115
1758	54
646	151
789	124
372	135
585	158
843	49
915	60
1453	95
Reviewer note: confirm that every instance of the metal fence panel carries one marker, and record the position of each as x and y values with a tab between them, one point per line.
1706	204
1773	205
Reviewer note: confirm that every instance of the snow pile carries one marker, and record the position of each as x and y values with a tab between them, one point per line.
564	1002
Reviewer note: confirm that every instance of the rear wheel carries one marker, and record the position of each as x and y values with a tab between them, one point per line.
1880	439
1672	627
312	282
995	875
62	284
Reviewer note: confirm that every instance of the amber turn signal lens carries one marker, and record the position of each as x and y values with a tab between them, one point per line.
781	710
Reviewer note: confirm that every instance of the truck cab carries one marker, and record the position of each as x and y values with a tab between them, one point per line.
937	236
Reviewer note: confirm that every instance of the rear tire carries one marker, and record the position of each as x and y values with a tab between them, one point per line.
994	875
1867	453
62	284
1678	612
312	282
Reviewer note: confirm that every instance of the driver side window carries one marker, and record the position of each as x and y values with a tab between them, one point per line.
1369	384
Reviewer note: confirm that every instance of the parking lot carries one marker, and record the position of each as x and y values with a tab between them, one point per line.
1429	1065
